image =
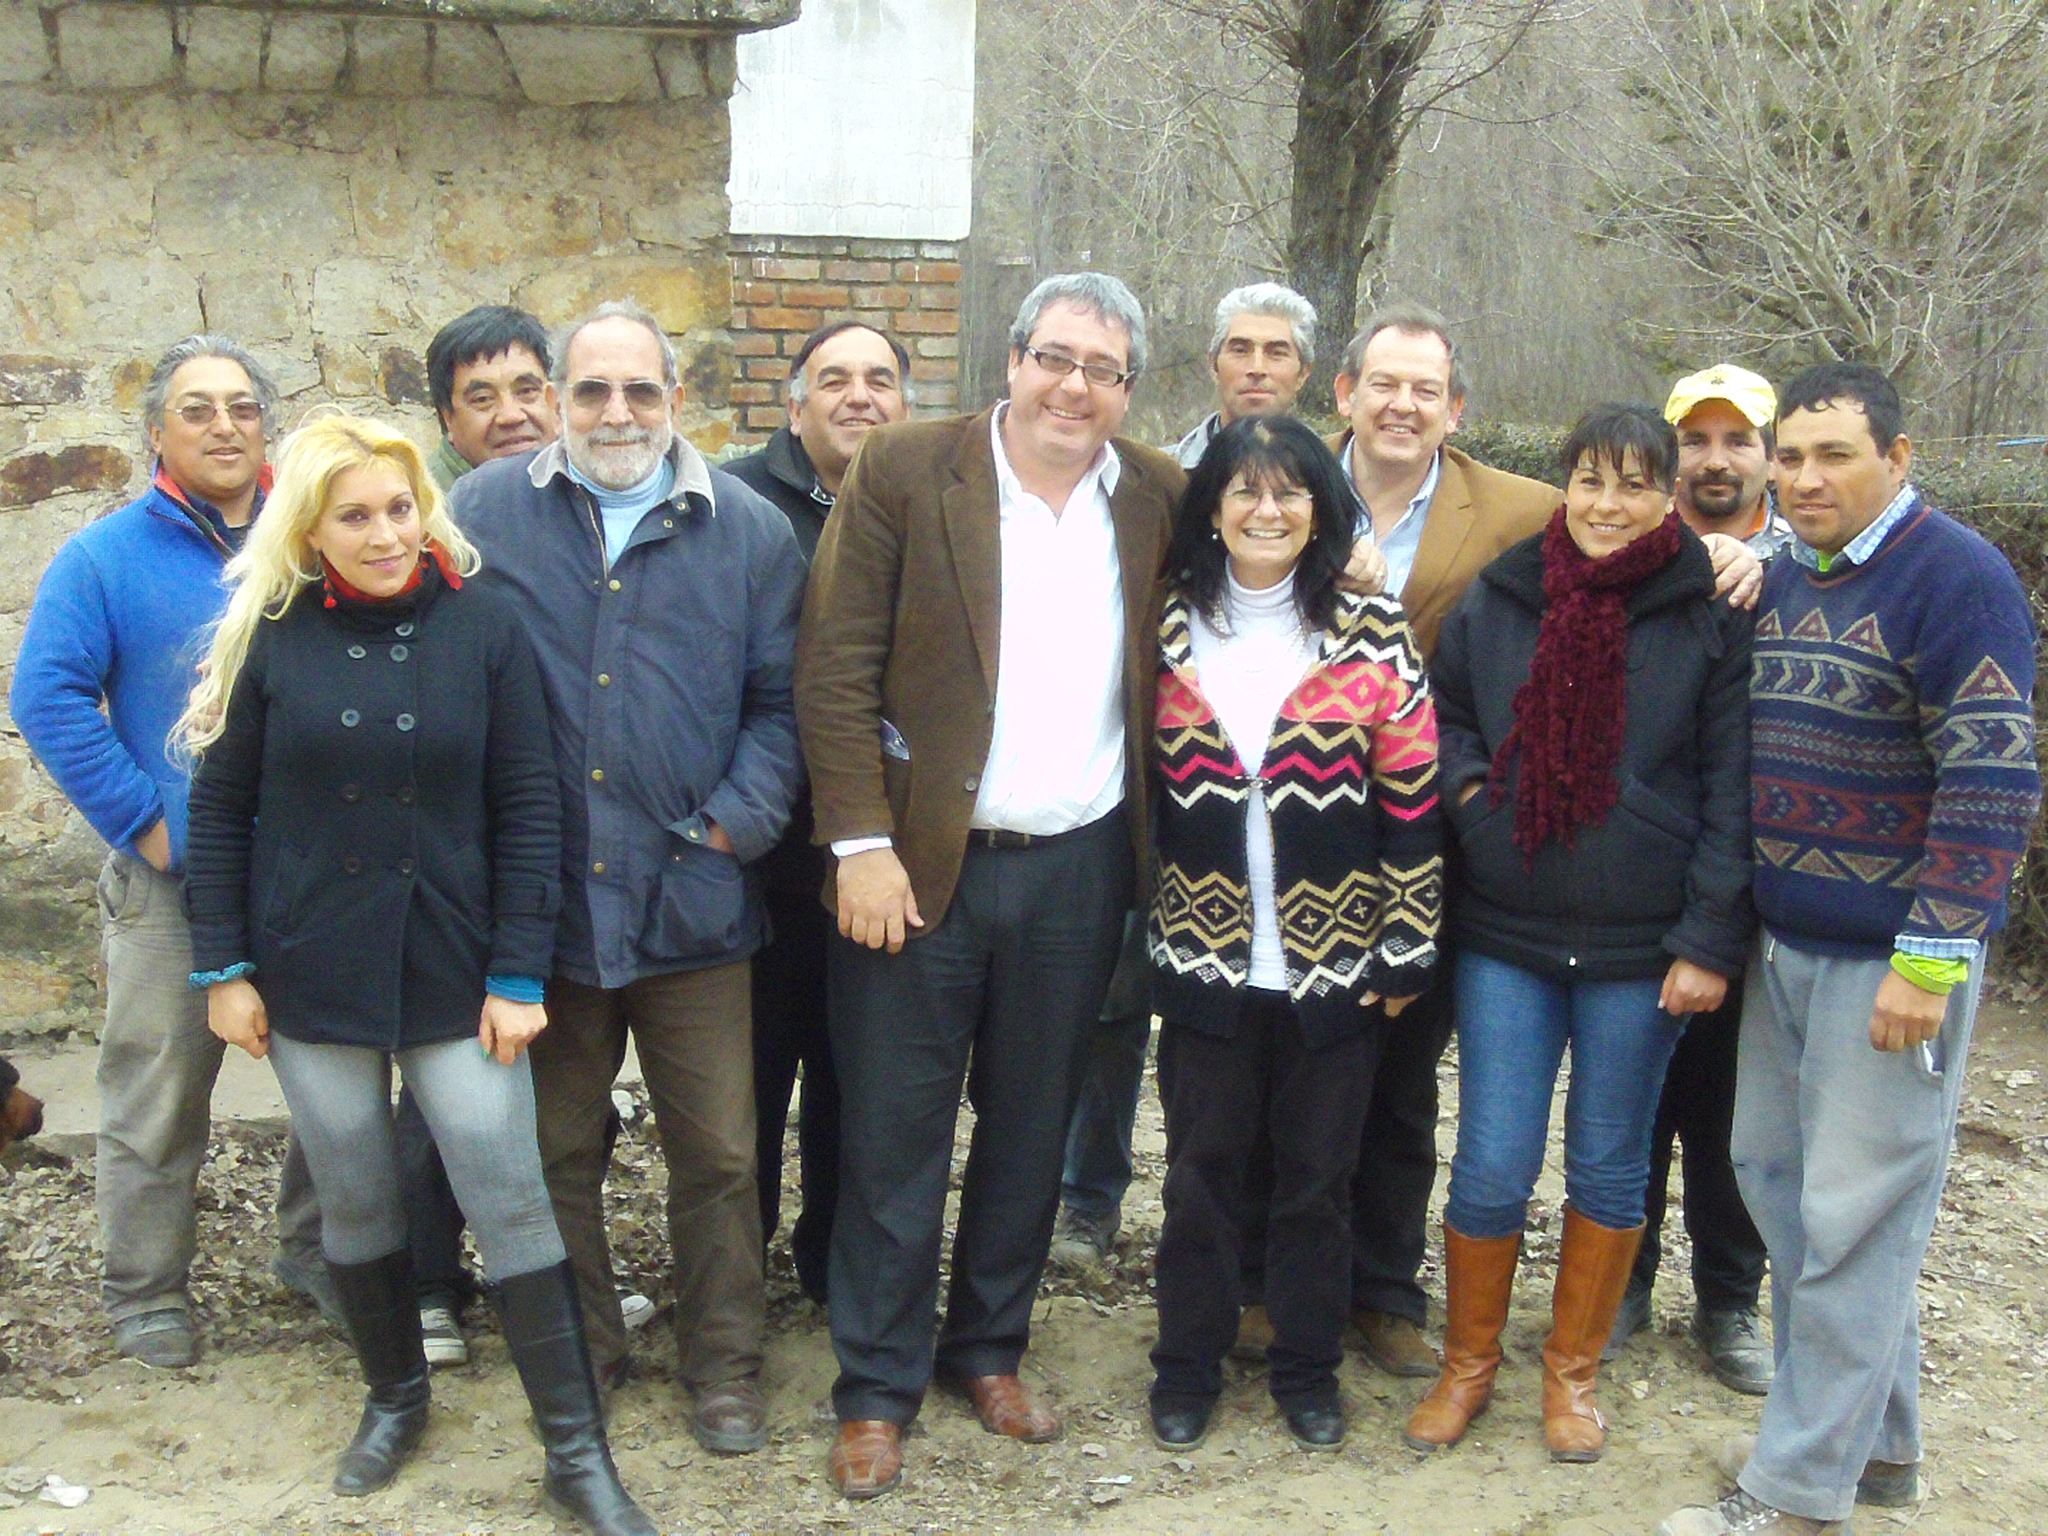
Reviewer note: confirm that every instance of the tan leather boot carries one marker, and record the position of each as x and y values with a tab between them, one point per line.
1593	1265
1478	1275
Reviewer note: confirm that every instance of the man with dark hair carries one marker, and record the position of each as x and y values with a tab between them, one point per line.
663	598
845	380
1722	416
975	685
1895	781
487	371
105	670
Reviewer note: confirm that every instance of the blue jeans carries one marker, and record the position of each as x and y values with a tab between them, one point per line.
1513	1027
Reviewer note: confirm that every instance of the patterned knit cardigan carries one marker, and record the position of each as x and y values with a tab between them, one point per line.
1351	786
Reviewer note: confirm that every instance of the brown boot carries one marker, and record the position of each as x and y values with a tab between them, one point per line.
1479	1273
1593	1265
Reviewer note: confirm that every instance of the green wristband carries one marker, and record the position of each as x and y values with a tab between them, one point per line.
1940	977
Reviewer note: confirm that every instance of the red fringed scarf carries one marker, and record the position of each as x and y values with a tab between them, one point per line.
1569	714
333	586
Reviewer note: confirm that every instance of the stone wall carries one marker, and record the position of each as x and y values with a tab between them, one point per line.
330	187
786	286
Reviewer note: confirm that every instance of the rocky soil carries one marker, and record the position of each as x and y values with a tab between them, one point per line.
244	1442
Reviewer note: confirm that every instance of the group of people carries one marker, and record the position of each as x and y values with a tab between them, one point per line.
930	760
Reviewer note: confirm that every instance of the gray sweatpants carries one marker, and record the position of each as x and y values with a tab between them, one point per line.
1841	1151
157	1066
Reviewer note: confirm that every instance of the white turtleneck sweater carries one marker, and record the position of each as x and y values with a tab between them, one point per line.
1246	674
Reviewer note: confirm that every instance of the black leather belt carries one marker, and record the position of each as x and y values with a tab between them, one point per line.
1001	837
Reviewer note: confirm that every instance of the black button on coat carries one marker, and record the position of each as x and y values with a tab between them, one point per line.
379	825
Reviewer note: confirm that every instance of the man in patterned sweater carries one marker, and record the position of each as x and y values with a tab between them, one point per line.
1894	784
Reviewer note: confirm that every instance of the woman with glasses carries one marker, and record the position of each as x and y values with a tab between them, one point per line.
1595	707
1294	911
373	877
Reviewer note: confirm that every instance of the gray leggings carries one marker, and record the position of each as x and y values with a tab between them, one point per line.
481	1114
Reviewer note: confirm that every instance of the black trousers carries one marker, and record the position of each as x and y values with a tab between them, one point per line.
1226	1096
790	1034
1006	990
1397	1161
1698	1107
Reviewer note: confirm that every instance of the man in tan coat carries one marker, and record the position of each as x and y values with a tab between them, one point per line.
974	687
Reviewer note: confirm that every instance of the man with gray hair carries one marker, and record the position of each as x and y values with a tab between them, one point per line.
662	596
105	669
1261	352
975	681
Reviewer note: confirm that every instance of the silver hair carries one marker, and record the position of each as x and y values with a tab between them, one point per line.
1105	297
616	309
156	394
1275	299
1416	320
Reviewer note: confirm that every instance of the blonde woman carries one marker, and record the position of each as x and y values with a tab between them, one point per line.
373	877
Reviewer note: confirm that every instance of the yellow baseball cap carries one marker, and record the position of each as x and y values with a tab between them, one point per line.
1750	393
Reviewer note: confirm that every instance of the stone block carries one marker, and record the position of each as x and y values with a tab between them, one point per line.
283	205
482	225
682	218
937	346
387	204
402	377
148	302
306	53
681	297
681	67
115	47
468	61
250	303
345	372
224	50
391	58
31	477
31	380
24	46
567	66
355	296
721	63
127	382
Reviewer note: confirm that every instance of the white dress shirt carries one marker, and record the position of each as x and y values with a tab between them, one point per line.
1056	757
1246	673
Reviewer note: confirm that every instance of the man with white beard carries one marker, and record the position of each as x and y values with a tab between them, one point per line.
662	597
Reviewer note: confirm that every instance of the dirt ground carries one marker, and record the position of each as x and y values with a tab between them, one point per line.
245	1441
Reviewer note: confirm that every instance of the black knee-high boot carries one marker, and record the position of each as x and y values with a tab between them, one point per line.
544	1330
383	1313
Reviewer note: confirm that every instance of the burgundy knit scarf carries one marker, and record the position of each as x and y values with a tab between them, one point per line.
1569	714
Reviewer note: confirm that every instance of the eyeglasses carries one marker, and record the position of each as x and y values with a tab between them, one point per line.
1246	498
596	394
1059	365
200	413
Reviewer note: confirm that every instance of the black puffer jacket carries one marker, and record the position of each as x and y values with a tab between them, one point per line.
1667	873
379	825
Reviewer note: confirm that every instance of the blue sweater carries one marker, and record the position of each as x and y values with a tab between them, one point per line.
1892	755
122	616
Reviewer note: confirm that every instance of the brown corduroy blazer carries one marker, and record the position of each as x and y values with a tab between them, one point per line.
1476	516
903	623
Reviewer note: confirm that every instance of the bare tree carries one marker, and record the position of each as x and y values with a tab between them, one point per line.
1842	178
1365	72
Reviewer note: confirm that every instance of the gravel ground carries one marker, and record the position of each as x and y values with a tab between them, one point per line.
244	1442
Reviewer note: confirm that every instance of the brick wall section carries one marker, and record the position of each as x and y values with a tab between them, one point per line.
786	286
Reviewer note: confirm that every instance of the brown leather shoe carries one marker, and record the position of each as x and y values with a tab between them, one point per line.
1479	1275
867	1458
1593	1264
1394	1344
731	1418
1006	1408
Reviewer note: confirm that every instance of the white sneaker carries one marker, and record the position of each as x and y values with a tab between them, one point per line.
443	1339
635	1308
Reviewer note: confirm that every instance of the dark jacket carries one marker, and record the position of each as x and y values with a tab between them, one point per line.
668	681
378	826
1667	872
1351	792
780	470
